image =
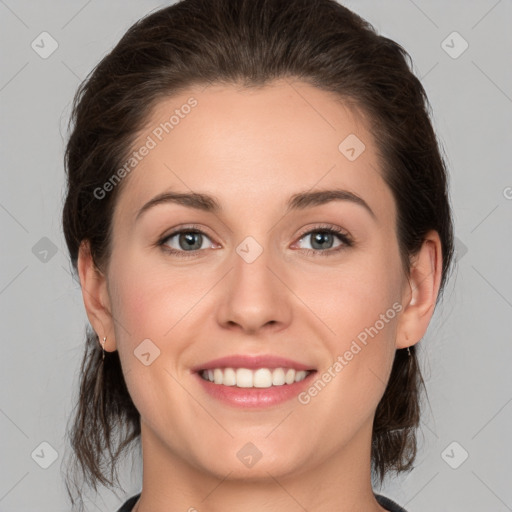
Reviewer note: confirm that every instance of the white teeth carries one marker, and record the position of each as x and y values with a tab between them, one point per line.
300	375
217	376
289	378
244	378
278	377
229	378
260	378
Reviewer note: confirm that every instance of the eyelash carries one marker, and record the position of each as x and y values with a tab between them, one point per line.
339	233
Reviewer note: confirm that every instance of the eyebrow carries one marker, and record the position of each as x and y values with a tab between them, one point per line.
192	200
308	199
299	201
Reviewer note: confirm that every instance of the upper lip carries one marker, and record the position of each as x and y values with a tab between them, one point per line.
252	362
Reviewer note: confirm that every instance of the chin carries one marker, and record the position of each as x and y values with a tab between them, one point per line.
253	461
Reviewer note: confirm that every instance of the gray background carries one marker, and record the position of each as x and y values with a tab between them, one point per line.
466	353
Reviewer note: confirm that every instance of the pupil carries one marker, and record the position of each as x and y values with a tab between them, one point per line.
190	243
320	239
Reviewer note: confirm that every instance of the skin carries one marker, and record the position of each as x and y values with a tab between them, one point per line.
253	149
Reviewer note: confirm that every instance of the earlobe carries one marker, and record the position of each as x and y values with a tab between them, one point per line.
95	296
421	292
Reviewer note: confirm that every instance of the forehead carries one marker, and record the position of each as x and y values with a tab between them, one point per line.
252	146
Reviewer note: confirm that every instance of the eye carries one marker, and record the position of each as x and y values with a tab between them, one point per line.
325	240
185	241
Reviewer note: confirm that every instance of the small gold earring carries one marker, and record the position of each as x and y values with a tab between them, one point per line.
103	346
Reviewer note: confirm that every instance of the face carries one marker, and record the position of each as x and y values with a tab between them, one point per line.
290	297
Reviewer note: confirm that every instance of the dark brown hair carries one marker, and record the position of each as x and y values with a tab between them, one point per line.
248	43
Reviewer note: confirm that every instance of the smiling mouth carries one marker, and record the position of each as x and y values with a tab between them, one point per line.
258	378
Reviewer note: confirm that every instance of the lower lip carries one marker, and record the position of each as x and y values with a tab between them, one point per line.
254	397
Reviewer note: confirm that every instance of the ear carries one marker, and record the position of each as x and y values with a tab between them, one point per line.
420	292
95	296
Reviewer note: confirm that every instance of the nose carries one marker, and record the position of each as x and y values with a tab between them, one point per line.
255	296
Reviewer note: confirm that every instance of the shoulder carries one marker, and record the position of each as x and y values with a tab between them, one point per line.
389	504
128	505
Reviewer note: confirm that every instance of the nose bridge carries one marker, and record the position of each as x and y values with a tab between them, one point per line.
251	266
254	297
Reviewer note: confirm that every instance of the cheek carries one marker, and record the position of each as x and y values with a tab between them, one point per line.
139	306
151	298
363	311
353	295
361	305
150	306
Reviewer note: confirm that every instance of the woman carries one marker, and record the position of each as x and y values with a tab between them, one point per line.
257	210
